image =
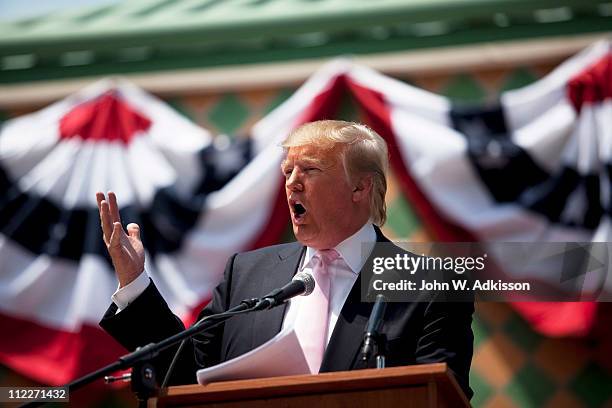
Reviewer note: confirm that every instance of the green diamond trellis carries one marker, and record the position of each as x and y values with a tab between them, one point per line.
481	331
482	389
279	98
401	218
464	88
517	79
348	110
229	114
179	106
521	333
530	387
593	386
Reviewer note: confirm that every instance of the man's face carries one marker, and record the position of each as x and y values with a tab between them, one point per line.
321	202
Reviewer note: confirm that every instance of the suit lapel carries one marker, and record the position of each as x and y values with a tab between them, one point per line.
348	333
266	324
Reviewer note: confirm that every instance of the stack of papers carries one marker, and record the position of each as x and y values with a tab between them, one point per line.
281	355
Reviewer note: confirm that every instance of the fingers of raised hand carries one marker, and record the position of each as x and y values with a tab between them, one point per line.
109	214
99	198
114	208
105	221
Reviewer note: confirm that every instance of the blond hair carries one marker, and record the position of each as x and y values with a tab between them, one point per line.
364	152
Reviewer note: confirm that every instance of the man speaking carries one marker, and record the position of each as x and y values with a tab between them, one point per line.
335	182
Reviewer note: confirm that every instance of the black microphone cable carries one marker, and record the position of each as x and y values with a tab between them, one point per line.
250	307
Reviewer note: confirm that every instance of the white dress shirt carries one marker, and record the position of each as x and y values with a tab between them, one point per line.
354	251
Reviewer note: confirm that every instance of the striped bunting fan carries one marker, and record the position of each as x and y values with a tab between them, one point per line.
197	198
534	168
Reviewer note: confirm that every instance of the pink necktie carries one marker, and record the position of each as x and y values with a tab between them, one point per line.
311	330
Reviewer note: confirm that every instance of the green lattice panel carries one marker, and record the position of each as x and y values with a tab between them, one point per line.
464	88
481	330
482	390
593	386
531	387
179	106
348	110
229	114
518	78
280	97
521	333
401	218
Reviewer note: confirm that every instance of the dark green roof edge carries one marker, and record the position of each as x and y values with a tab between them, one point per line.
311	17
389	29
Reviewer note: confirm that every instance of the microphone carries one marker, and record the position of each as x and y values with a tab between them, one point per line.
302	284
371	334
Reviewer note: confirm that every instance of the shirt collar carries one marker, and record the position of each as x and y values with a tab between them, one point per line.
355	250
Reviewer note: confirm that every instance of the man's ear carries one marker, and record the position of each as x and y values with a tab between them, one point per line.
362	189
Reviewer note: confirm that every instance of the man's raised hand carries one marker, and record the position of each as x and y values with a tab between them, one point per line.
125	250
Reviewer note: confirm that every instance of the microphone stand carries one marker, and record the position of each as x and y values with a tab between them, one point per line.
380	351
374	342
377	346
143	373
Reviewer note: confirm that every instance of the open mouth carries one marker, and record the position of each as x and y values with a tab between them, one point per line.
298	210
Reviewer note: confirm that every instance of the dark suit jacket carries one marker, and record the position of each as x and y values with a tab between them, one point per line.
417	332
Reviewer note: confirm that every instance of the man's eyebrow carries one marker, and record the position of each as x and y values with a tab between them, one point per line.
308	160
305	161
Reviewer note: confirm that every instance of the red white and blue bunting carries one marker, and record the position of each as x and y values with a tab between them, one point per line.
536	167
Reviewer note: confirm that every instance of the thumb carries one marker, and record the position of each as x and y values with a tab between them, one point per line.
133	230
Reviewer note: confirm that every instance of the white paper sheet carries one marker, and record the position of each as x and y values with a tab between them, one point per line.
281	355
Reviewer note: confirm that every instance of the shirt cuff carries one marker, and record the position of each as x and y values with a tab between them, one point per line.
127	294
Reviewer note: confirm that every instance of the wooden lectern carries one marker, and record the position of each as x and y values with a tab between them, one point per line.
427	385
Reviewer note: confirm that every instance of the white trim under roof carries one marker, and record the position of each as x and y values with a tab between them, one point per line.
292	73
